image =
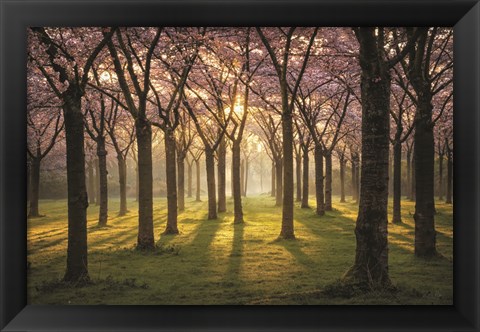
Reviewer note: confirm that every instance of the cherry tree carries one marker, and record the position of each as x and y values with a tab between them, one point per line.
429	70
44	125
66	67
136	104
279	51
371	257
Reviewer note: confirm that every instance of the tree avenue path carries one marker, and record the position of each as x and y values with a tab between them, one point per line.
219	262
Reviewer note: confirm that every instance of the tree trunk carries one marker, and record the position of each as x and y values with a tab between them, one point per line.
412	185
181	181
122	179
273	191
171	178
237	193
102	166
342	180
357	178
145	239
137	183
222	182
35	187
409	174
279	184
189	179
328	181
371	256
305	178
440	176
298	170
212	200
390	173
425	236
319	194
197	189
397	181
77	253
91	184
449	177
287	231
97	182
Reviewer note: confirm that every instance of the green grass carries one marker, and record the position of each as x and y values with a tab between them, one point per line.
217	262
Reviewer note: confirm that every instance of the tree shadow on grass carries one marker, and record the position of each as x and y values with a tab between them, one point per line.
236	254
204	234
295	249
167	238
46	245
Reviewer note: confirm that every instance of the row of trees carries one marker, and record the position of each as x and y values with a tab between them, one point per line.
293	92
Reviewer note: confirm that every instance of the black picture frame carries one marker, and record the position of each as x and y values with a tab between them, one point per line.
16	16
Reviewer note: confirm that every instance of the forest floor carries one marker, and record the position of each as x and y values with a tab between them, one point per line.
217	262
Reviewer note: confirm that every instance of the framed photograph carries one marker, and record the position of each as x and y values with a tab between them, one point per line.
238	165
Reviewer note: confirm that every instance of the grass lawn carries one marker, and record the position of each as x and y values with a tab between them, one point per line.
217	262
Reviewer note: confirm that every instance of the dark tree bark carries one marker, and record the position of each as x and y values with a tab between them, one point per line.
425	235
397	141
328	181
286	91
357	178
390	173
181	181
171	177
34	187
97	182
409	173
222	182
210	145
137	183
306	162
278	182
449	176
319	193
122	179
397	181
273	191
342	178
371	257
145	239
287	231
237	190
143	132
189	178
102	167
210	167
298	172
412	185
121	151
77	261
197	187
440	175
